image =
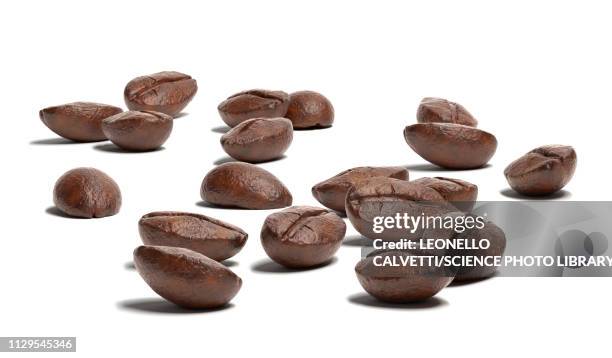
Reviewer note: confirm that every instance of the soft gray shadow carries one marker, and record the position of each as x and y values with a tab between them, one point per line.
159	305
561	194
221	129
363	299
227	159
230	263
310	129
54	211
181	115
55	141
129	266
357	241
428	167
269	266
111	148
469	282
205	204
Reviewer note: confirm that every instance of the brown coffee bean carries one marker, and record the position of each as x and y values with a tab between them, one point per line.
244	185
542	171
78	121
256	103
138	130
451	146
208	236
402	283
438	110
186	278
459	193
167	92
308	109
497	240
258	139
87	193
302	236
332	192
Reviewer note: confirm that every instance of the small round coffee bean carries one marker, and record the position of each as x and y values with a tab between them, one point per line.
332	192
258	139
256	103
308	109
211	237
542	171
302	236
244	185
138	130
452	146
497	244
87	193
78	121
459	193
167	92
439	110
185	277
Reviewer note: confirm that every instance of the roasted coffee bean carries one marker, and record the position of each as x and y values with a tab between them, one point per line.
497	240
210	237
308	109
138	130
438	110
257	103
452	146
332	192
87	193
460	193
386	197
166	92
78	121
185	277
258	139
244	185
542	171
401	283
302	236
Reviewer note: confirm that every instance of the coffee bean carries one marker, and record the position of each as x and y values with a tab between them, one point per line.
166	92
459	193
387	197
258	139
138	130
186	278
244	185
438	110
402	283
542	171
256	103
302	236
78	121
451	146
210	237
308	109
87	193
497	240
332	192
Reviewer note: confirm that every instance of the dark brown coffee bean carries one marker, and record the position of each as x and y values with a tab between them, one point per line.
257	103
542	171
332	192
166	92
302	236
186	278
460	193
244	185
258	139
210	237
497	240
451	146
308	109
401	283
386	197
78	121
138	130
438	110
87	193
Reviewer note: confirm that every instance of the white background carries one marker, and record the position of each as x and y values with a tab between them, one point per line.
532	73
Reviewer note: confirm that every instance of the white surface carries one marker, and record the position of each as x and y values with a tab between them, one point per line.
532	74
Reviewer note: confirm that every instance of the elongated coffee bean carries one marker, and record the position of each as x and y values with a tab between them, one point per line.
460	193
332	192
78	121
138	130
308	109
451	146
167	92
208	236
542	171
256	103
302	236
258	139
438	110
244	185
186	278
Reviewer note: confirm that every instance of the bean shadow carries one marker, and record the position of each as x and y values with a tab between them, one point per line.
269	266
357	241
229	263
228	159
221	129
468	282
129	266
161	306
205	204
111	148
428	167
561	194
55	141
363	299
54	211
181	115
